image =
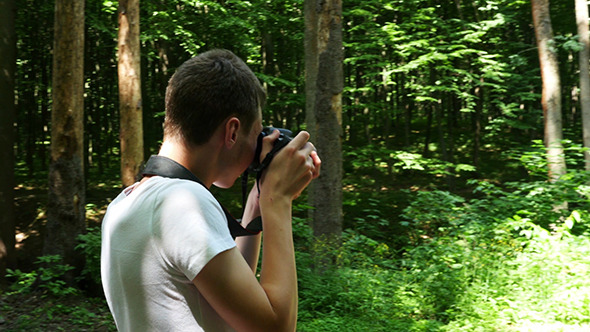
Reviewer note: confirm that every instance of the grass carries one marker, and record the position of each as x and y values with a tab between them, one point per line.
545	287
36	313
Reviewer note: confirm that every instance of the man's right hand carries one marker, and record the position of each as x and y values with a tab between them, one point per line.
292	168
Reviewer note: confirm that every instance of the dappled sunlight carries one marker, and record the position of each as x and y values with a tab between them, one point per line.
449	221
550	327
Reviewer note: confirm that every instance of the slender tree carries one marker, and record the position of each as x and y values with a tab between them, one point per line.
7	117
582	22
324	84
131	130
65	208
551	95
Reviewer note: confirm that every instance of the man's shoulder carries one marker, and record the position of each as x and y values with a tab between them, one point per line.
168	186
179	192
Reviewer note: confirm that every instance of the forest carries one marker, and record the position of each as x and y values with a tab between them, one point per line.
460	197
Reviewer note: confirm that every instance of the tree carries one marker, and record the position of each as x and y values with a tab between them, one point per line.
551	95
324	84
584	58
131	130
66	203
7	116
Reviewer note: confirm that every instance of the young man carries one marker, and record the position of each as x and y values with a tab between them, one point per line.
168	260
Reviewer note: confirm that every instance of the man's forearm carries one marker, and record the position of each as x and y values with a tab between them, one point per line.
249	246
278	275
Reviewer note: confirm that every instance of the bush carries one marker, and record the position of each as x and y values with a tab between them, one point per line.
49	277
363	291
544	285
505	260
90	245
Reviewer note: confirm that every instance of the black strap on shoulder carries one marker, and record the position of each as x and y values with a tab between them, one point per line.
168	168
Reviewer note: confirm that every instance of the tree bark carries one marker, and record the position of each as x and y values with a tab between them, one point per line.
65	208
582	22
478	92
551	95
7	118
130	102
324	85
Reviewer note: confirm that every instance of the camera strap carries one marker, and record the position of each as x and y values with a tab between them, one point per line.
168	168
258	169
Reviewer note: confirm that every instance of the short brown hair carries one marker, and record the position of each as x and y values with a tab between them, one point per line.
206	90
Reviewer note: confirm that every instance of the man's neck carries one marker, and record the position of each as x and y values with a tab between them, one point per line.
200	160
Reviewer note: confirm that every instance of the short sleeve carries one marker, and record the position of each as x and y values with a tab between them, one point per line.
191	228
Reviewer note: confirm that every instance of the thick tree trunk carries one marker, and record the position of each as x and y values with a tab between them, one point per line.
131	132
324	84
551	96
7	117
582	21
65	208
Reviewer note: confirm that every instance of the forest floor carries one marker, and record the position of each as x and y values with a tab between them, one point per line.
35	312
34	309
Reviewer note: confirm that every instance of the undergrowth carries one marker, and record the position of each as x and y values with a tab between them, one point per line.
506	260
42	300
510	257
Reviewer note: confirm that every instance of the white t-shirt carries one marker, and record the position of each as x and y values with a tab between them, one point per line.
155	240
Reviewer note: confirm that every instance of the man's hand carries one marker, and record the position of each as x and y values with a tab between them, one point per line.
227	282
250	245
293	167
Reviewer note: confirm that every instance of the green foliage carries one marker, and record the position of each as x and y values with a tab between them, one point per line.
379	162
60	305
55	314
415	256
362	293
49	277
503	258
90	246
534	159
23	280
490	254
542	285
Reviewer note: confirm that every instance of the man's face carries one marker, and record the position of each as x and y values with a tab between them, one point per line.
242	154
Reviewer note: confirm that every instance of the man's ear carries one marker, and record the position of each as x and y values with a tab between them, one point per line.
232	130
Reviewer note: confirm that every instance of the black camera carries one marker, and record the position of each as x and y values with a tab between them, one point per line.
283	139
257	167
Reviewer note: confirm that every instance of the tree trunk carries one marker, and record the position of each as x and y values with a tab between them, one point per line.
408	107
476	124
430	109
582	21
131	132
551	96
7	117
324	84
65	207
